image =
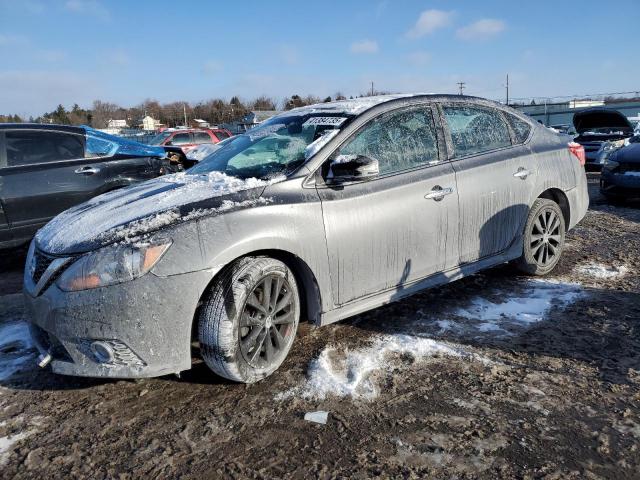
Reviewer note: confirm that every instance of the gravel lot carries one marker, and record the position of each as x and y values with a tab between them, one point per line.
492	376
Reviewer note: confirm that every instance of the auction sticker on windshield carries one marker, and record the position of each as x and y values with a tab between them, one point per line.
335	121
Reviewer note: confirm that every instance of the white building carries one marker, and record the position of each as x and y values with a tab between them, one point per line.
117	124
150	123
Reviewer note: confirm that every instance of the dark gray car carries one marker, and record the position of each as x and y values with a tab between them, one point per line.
320	213
46	169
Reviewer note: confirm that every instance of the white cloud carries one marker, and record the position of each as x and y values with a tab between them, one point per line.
364	46
211	67
419	58
482	29
88	7
7	40
52	56
429	21
289	54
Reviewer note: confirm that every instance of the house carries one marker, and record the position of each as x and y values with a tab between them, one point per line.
199	123
150	123
249	120
117	124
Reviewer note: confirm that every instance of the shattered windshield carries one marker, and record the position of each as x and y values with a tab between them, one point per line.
278	146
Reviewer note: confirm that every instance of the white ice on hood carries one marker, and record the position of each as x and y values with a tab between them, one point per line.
114	215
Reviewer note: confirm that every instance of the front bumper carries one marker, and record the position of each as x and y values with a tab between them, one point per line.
625	185
146	322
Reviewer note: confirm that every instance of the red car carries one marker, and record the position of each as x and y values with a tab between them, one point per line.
186	139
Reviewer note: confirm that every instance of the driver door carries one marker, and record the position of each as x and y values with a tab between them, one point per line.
390	231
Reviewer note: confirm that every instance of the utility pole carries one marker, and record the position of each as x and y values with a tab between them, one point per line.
184	111
372	89
507	86
461	86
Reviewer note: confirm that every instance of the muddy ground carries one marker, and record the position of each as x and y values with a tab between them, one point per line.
482	381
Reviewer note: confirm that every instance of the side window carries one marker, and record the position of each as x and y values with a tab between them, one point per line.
399	141
201	137
181	139
476	130
520	128
99	147
221	135
31	146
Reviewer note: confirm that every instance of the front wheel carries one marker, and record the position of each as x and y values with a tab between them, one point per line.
249	319
543	238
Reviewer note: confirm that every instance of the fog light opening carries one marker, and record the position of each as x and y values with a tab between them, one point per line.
102	352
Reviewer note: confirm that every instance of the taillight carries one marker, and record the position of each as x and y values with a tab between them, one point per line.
578	151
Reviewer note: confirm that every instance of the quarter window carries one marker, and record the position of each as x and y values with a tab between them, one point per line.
399	141
30	147
520	128
475	130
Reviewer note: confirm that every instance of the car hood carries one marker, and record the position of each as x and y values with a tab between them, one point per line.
591	119
132	212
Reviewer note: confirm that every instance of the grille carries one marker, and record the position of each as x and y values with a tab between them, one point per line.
42	262
592	147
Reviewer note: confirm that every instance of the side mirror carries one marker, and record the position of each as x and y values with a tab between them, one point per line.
352	168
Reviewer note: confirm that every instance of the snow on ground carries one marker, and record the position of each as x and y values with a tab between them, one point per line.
601	271
349	373
518	309
7	443
344	373
16	349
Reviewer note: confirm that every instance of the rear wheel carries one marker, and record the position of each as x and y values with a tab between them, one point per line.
543	238
249	319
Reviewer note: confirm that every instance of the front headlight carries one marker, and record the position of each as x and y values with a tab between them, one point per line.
112	265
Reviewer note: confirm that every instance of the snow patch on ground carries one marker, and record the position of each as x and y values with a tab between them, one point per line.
520	309
349	373
598	270
16	349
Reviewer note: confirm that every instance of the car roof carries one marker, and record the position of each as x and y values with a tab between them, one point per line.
357	106
42	126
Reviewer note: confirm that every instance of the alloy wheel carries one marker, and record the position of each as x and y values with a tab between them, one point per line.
266	321
546	237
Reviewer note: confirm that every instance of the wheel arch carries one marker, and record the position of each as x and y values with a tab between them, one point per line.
310	298
558	196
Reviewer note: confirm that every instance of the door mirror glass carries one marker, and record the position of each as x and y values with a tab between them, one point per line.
352	168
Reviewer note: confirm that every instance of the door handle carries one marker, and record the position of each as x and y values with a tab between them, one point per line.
522	173
437	193
87	170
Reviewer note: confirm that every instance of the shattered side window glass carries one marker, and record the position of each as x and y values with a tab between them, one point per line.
100	144
399	141
520	128
475	130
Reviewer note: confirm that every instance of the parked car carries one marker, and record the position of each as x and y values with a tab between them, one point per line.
620	179
320	213
600	132
188	138
45	169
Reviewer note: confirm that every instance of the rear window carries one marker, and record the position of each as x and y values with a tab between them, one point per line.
476	130
521	128
30	147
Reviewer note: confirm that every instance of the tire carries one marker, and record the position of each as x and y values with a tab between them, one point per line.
543	242
244	333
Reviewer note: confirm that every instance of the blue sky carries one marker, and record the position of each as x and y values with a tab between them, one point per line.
66	51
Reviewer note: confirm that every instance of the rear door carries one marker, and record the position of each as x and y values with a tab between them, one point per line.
495	179
45	173
391	230
184	140
203	137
